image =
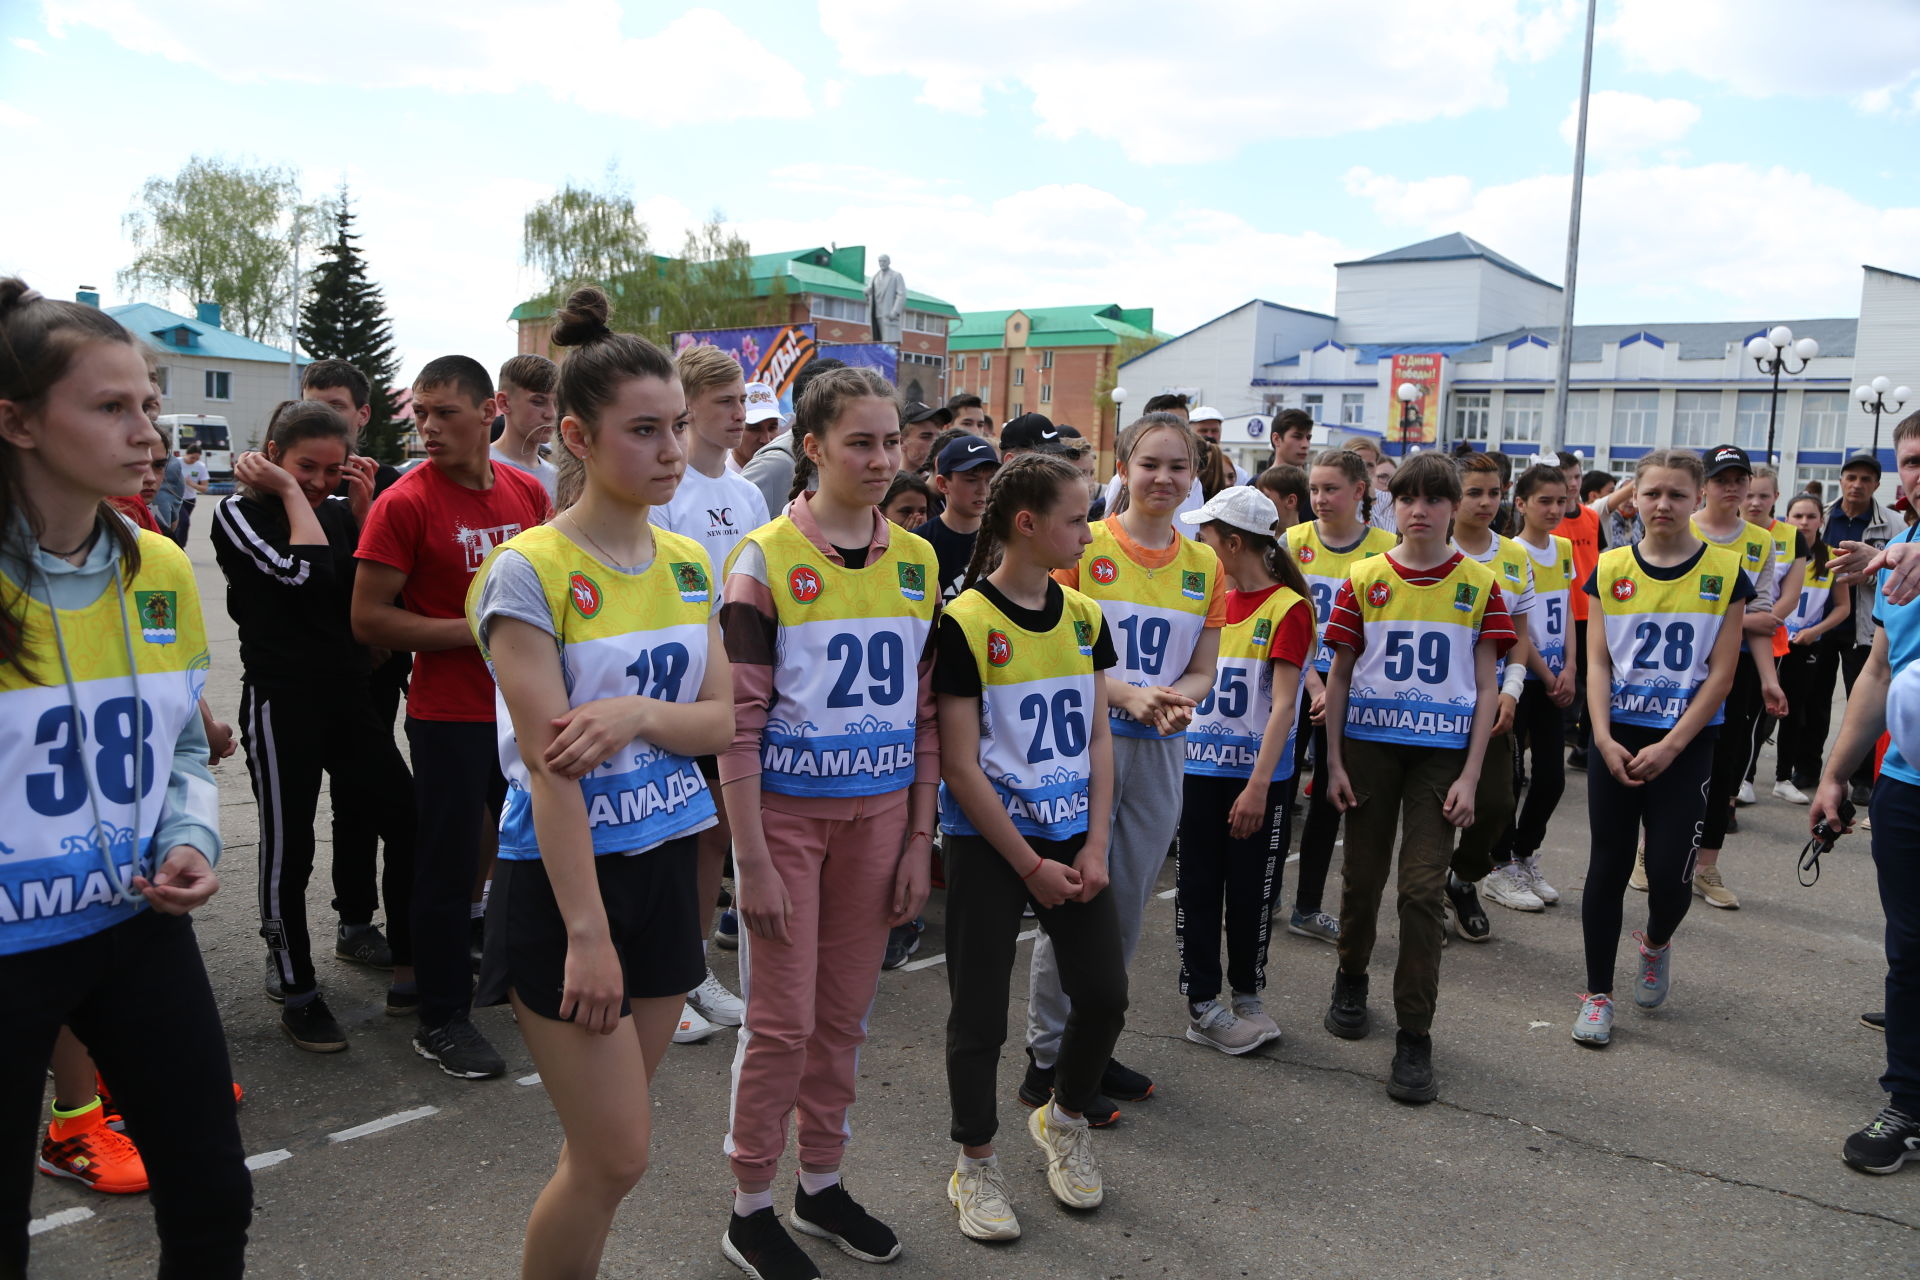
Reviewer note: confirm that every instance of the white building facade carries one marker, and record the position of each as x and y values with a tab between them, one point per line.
1492	330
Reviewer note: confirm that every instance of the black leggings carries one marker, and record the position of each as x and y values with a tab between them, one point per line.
1539	729
1322	827
1670	810
1216	870
1807	676
1732	751
136	996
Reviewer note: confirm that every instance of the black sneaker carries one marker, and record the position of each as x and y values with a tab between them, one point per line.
1861	795
1892	1139
402	1003
275	992
834	1215
1347	1015
312	1026
1875	1021
1464	911
902	943
363	944
761	1247
1412	1078
1124	1084
460	1050
1036	1089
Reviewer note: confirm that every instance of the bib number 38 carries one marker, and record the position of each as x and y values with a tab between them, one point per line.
121	762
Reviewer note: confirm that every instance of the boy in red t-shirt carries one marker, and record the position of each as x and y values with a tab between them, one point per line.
424	539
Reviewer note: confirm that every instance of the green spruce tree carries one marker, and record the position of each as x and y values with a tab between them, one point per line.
345	317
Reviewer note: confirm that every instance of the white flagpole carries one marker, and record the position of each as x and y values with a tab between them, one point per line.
1563	370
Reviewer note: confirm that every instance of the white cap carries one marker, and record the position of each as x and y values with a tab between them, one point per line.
762	404
1243	507
1205	413
1903	712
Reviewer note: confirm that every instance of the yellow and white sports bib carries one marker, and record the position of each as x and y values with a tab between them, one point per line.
1326	571
846	664
1815	589
1230	724
1754	547
1661	631
1553	588
1037	695
1416	678
1156	615
53	885
619	634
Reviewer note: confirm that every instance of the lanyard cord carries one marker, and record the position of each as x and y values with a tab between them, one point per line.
102	837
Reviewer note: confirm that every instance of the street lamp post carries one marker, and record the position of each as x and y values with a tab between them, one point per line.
1770	353
1119	398
1873	398
1408	393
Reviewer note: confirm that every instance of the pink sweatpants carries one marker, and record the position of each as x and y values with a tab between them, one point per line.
808	999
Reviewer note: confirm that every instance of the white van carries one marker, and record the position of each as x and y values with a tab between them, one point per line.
206	430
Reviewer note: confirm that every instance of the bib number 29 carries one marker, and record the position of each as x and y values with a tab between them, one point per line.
121	762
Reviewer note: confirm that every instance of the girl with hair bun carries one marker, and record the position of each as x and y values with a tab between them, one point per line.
830	785
112	814
599	631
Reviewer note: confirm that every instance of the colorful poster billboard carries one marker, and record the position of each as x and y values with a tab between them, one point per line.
1418	425
882	357
772	354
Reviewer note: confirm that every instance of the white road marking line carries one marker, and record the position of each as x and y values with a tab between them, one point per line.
383	1123
267	1159
64	1218
1168	894
931	961
529	1080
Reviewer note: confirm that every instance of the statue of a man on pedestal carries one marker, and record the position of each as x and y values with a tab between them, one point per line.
887	301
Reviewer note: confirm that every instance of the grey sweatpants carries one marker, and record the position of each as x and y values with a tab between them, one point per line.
1146	815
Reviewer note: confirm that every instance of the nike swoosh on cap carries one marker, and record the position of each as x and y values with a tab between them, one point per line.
1049	435
975	448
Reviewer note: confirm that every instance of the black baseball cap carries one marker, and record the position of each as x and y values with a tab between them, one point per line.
918	413
965	454
1031	431
1862	459
1727	457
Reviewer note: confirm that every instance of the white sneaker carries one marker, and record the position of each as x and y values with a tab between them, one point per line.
1784	790
693	1028
1071	1174
1537	882
1216	1027
986	1211
1509	888
1745	794
713	1001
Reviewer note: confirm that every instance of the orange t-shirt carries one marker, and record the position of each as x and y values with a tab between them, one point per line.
1153	558
1582	529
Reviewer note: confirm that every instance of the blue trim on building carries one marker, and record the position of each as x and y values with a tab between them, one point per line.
1629	452
1527	340
1329	344
1642	336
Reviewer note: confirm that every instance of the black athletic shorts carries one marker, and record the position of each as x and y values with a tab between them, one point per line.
652	902
710	770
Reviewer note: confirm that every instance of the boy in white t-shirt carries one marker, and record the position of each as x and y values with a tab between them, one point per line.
716	508
527	417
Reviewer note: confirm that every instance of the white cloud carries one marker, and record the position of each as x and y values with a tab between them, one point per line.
14	120
700	66
1181	87
1698	242
1626	124
1764	48
28	46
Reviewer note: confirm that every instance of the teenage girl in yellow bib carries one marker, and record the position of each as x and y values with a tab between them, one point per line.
111	817
611	680
1666	623
1163	596
1807	672
1340	488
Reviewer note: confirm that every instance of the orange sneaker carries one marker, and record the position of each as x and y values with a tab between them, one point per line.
81	1147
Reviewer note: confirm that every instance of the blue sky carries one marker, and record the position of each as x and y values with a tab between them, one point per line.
1746	157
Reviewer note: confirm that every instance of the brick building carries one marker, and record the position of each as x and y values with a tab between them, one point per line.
1049	360
825	287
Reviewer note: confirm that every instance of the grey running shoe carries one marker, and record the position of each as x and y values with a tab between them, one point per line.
1214	1025
1656	976
1594	1026
1248	1008
1314	924
363	944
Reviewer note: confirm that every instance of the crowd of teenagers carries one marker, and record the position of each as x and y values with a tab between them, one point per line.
648	636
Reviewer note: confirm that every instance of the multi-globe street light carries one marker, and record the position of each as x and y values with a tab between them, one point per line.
1770	353
1873	398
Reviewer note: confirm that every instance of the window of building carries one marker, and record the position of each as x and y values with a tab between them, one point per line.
163	376
1353	408
1046	359
219	384
1583	418
1046	393
825	308
1750	420
1828	478
1696	419
1018	409
1472	414
1823	418
959	364
1520	416
926	322
986	363
1315	404
1273	402
1635	414
1020	376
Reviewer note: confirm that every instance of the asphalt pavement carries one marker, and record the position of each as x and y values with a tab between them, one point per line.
1704	1142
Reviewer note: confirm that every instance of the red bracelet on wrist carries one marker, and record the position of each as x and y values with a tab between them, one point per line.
1038	862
